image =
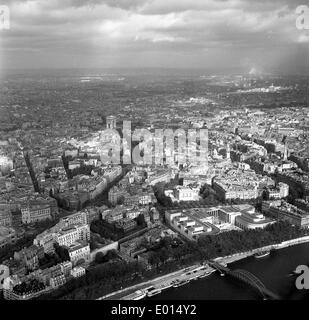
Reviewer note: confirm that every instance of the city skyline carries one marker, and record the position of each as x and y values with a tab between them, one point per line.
149	145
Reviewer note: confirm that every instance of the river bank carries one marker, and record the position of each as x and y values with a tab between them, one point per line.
163	282
275	271
243	255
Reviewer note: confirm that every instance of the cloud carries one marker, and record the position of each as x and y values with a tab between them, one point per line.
124	27
303	38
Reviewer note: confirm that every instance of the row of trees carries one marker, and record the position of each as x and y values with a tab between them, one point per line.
103	258
61	254
166	257
163	200
8	251
109	230
49	260
104	230
31	286
223	244
27	240
31	172
102	279
83	169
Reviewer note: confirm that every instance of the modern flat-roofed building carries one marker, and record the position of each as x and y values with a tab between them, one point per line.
228	214
187	225
221	214
252	220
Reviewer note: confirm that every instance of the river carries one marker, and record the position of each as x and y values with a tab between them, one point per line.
275	271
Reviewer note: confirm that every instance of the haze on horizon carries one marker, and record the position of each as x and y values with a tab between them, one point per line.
245	34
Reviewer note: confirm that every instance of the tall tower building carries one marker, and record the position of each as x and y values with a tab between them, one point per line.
285	155
215	153
111	122
228	152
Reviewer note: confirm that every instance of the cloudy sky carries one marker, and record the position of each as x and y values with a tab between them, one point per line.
154	33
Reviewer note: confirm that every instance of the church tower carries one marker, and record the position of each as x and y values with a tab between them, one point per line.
228	152
285	154
111	122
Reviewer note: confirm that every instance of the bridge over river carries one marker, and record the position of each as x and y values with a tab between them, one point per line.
246	277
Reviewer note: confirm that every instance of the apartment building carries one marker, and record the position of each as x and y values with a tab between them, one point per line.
68	236
79	251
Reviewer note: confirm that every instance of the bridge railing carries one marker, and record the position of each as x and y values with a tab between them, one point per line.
246	277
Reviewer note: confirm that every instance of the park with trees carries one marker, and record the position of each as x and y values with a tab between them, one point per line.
167	256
